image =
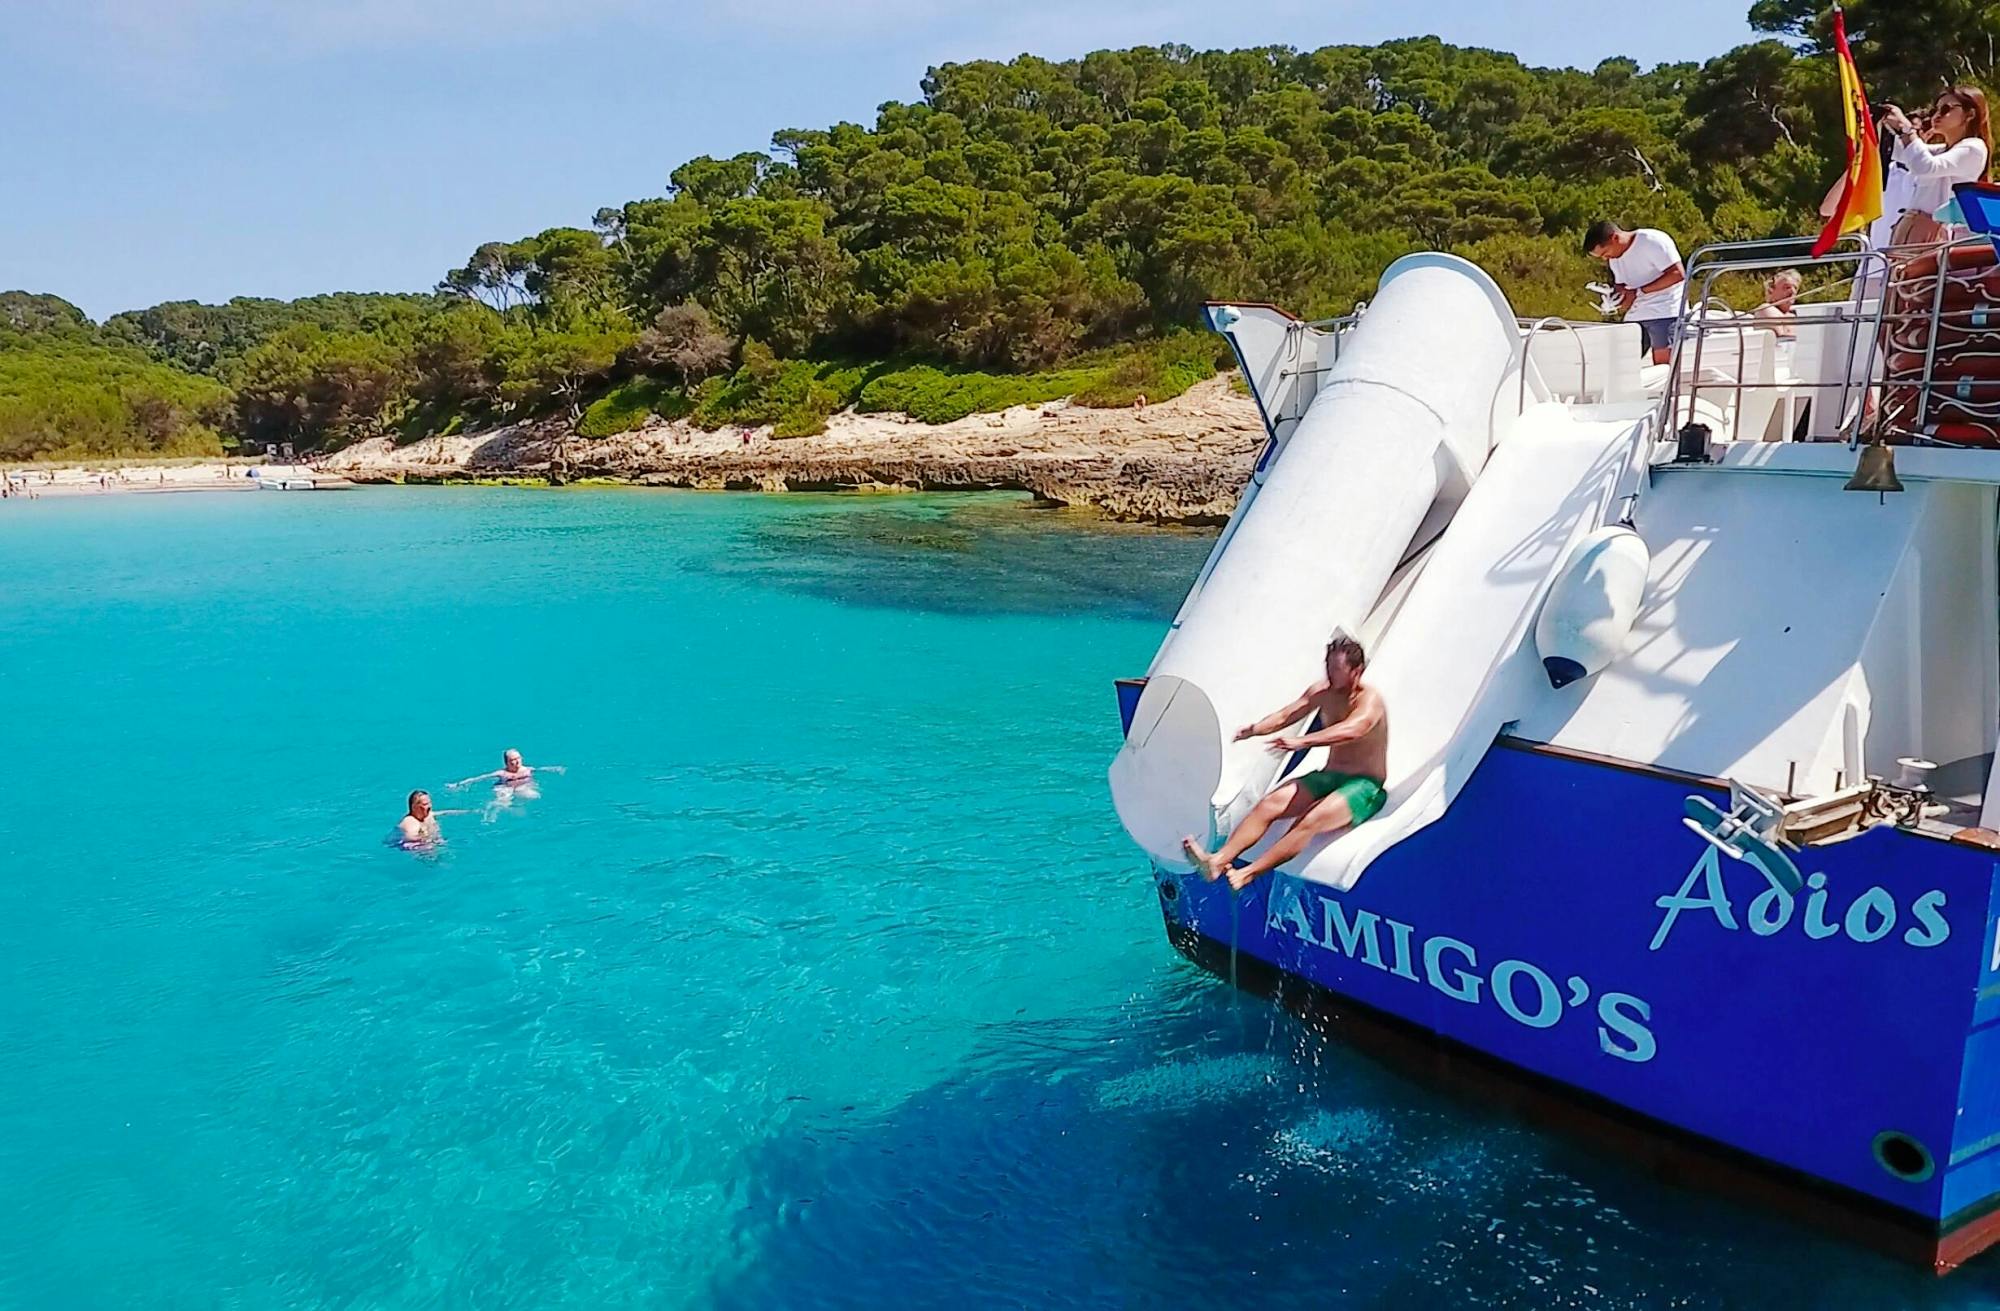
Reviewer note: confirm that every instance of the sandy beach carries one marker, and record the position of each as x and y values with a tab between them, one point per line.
1179	461
111	477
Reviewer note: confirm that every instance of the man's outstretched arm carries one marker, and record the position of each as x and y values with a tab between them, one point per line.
1362	719
1281	718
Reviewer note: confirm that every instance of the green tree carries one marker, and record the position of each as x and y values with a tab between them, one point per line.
775	271
714	181
66	393
25	311
496	275
684	341
455	360
316	388
1744	103
1905	49
207	338
559	364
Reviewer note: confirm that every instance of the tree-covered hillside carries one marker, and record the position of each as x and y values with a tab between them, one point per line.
67	390
1022	215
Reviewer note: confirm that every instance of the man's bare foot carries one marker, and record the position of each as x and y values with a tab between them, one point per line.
1210	867
1242	877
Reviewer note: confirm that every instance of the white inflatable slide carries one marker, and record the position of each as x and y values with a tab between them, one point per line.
1416	422
1459	661
1404	417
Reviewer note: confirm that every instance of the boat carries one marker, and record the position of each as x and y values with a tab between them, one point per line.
297	478
1691	841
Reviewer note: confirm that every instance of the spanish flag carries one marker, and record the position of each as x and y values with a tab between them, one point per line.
1861	196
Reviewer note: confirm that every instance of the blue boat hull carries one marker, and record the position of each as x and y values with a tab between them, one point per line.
1559	926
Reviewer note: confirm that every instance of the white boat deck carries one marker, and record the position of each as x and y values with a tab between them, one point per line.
1792	636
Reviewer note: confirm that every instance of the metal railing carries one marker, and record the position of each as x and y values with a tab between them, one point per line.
1335	328
1942	254
1547	323
1298	335
1704	314
1877	321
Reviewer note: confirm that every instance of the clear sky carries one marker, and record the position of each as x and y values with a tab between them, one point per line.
171	149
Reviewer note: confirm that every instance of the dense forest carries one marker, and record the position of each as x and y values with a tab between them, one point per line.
1024	230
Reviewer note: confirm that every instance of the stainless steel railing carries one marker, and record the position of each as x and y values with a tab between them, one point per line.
1547	323
1702	316
1875	323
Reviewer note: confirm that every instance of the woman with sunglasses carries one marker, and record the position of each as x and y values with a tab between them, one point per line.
1957	147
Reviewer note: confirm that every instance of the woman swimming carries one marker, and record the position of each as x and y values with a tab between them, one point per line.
513	779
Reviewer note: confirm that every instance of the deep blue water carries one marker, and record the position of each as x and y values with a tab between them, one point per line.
823	978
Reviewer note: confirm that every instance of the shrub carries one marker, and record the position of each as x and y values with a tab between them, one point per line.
629	405
803	420
684	340
934	395
795	398
1158	370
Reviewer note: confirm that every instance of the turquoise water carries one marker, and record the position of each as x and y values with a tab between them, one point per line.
822	979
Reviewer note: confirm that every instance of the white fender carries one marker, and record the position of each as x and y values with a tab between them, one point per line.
1592	604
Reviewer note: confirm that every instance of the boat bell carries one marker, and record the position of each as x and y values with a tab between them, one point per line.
1875	471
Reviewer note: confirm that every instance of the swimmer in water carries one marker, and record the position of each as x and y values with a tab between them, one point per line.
513	779
418	830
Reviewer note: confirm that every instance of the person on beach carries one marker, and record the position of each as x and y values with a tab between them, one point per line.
513	779
1346	790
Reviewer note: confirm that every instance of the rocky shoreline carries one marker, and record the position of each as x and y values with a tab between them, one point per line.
1182	461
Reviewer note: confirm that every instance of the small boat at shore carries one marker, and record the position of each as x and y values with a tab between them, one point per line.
297	478
1689	881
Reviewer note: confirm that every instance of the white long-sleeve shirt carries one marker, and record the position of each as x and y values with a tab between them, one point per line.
1895	199
1928	174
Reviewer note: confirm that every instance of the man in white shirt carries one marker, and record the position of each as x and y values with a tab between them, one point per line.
1646	266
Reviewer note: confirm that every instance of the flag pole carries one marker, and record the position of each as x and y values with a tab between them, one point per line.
1860	194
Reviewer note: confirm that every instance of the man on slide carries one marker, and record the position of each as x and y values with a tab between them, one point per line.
1346	791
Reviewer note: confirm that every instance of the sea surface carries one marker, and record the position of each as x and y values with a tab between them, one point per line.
822	978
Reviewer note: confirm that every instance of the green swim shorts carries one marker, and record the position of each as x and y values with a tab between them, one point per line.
1364	795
